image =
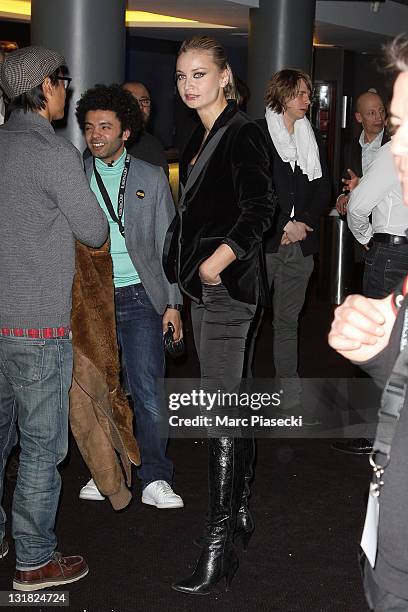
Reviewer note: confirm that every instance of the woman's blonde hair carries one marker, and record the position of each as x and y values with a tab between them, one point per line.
213	46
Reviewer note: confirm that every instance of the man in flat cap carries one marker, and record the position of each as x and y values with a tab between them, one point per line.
45	203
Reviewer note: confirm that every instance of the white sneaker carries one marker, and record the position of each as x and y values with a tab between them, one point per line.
160	494
91	491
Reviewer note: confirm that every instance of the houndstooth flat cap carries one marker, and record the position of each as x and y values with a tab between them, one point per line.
25	68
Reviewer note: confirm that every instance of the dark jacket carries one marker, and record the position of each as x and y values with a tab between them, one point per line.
148	148
231	201
391	565
293	189
352	156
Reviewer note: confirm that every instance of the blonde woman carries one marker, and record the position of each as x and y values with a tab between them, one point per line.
226	206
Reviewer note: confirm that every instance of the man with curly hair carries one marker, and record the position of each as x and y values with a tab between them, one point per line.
136	199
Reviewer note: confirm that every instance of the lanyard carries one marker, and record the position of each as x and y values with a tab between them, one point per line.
121	195
392	403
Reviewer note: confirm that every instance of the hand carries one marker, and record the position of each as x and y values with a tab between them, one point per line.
171	315
352	182
207	274
341	204
285	240
211	268
361	327
296	230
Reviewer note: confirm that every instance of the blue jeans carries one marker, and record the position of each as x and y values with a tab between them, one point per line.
140	337
35	377
384	266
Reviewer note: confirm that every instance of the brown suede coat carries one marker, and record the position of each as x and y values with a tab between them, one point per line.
100	416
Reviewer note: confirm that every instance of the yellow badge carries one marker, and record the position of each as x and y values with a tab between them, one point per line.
140	194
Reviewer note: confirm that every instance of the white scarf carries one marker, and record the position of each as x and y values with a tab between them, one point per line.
301	149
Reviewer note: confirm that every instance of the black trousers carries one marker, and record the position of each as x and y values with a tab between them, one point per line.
220	326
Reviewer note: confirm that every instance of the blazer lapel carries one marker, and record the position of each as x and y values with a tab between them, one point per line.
202	160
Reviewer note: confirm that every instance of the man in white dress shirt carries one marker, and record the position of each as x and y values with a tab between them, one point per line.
360	152
379	194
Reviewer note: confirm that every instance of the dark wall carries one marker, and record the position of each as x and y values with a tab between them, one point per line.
328	66
152	62
353	73
15	32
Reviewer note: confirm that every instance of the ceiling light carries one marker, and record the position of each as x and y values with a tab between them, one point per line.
21	9
141	19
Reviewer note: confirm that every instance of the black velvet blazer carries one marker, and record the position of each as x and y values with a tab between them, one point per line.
231	201
294	190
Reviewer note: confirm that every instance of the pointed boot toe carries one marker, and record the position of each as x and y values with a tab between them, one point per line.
206	576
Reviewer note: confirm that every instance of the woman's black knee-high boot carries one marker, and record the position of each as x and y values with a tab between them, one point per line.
218	558
245	524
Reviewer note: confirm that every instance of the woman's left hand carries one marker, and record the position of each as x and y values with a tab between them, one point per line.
207	275
211	268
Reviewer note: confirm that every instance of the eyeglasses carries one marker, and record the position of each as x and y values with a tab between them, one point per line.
144	101
66	80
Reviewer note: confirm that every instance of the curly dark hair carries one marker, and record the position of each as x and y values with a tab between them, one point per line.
112	98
